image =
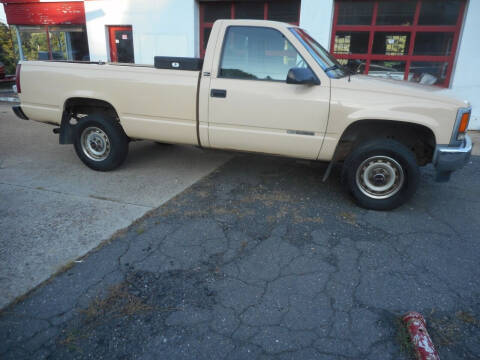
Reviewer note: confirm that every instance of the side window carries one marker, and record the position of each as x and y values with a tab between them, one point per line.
257	53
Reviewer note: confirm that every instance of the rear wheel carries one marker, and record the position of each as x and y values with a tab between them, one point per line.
100	142
381	174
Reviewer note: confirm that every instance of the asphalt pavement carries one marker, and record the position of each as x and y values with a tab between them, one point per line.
54	209
261	260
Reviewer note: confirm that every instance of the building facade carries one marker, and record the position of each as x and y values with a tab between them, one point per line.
425	41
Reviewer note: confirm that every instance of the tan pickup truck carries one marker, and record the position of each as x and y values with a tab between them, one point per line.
264	87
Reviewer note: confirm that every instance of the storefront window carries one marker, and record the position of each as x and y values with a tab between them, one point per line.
34	42
433	43
391	43
396	13
354	12
13	35
68	43
285	11
351	42
387	69
414	40
440	12
60	42
212	12
429	72
249	11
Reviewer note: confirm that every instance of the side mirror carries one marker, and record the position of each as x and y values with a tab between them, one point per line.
303	76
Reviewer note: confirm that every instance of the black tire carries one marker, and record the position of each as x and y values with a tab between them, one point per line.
384	160
103	131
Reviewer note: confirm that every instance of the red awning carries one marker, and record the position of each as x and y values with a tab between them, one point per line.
44	13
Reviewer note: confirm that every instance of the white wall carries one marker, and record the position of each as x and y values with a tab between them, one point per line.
465	83
160	27
3	17
316	16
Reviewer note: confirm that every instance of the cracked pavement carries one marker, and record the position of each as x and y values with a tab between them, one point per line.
260	260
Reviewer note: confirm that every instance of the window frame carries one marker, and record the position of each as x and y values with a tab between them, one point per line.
113	50
46	29
208	25
219	70
413	29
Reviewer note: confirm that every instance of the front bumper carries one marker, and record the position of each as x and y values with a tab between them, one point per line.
447	159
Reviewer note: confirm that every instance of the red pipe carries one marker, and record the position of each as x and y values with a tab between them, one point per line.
421	341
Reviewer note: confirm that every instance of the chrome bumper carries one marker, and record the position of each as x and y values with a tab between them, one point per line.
447	159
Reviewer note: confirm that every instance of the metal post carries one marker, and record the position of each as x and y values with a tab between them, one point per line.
50	56
68	41
19	42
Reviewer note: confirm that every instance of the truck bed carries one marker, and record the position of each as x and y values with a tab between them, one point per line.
151	103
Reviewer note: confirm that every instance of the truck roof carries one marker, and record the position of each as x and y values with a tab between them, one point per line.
263	23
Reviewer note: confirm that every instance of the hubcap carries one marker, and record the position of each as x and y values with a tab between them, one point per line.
95	143
380	177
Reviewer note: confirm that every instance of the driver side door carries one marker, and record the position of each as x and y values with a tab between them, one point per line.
251	106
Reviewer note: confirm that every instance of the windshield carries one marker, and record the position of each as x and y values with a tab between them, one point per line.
328	63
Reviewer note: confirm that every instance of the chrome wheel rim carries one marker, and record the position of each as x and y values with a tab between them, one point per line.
95	143
380	177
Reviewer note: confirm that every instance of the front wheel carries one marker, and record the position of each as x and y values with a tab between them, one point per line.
381	174
100	142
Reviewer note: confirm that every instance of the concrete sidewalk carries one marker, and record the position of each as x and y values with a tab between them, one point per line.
54	209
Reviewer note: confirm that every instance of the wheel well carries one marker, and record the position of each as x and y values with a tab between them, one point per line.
77	108
418	138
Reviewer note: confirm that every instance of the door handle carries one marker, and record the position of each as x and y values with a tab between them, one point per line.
218	93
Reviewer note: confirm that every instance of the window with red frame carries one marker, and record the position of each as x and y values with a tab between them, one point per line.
278	10
414	40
